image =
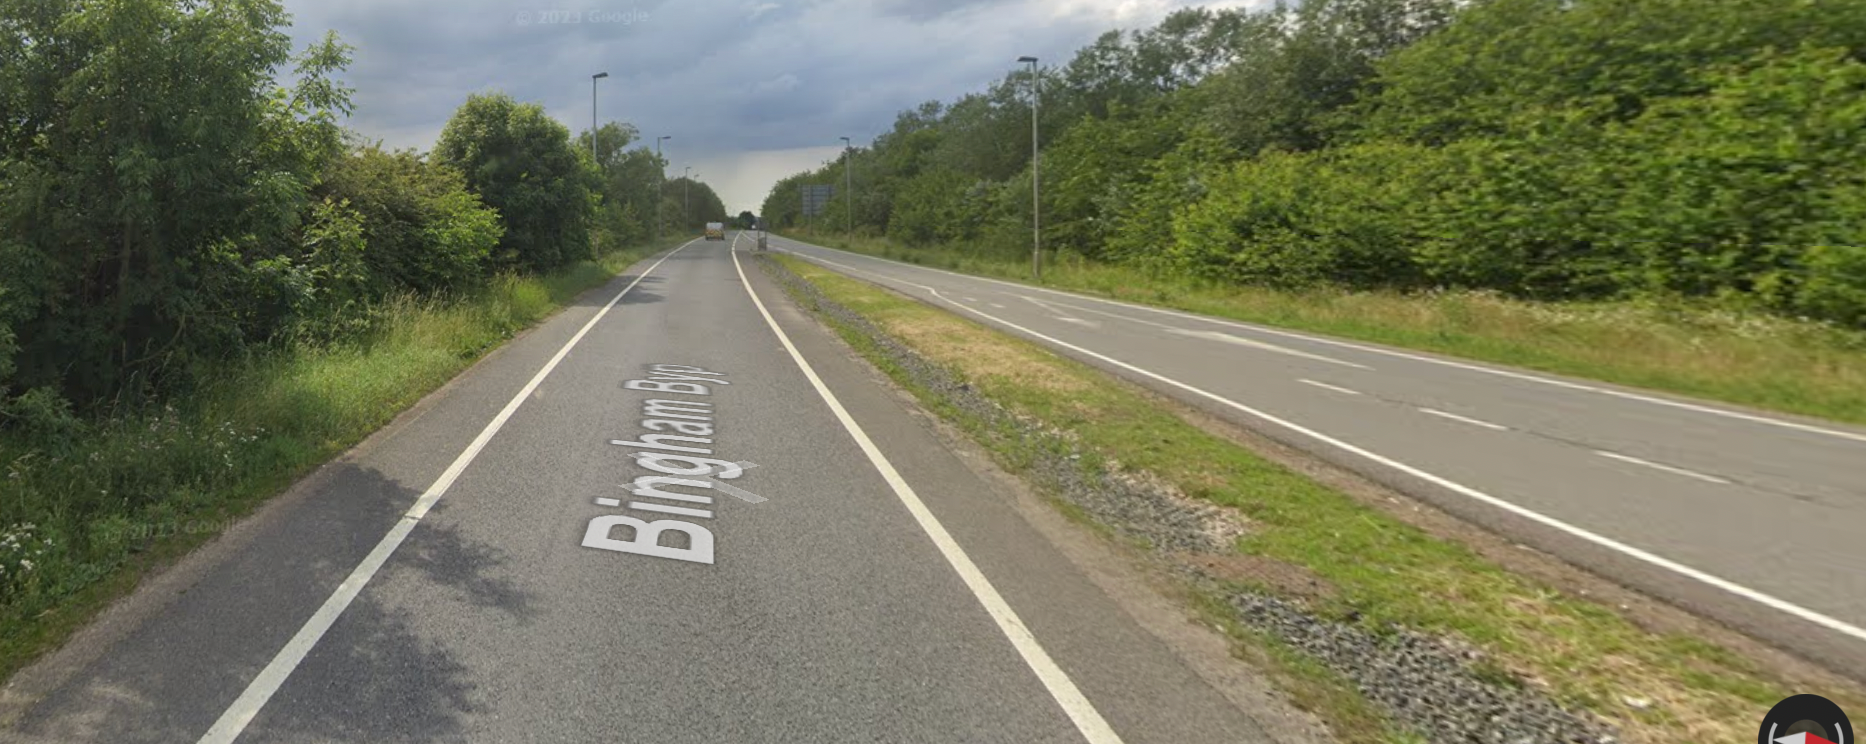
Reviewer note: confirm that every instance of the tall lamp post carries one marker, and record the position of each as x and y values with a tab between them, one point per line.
848	180
593	79
659	178
1036	205
686	196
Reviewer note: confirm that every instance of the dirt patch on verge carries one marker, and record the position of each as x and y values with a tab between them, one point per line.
1281	578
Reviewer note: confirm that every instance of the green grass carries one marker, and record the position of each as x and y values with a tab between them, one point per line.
1756	360
91	510
1581	653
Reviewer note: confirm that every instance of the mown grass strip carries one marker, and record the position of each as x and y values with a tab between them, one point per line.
1763	361
110	500
1653	687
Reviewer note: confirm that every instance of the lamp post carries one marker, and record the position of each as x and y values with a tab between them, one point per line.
848	179
659	179
593	79
1036	205
686	196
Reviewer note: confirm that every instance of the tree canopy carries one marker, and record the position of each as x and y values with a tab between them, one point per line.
1559	149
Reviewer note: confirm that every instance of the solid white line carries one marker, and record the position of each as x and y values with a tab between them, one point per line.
1326	386
1640	554
1666	468
1464	419
1087	720
1752	418
261	689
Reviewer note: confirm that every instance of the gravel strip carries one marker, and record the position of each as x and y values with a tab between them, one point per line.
1427	683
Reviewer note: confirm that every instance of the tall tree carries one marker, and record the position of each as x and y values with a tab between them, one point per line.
151	176
522	163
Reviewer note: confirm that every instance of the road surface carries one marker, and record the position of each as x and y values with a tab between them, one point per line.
1754	519
442	582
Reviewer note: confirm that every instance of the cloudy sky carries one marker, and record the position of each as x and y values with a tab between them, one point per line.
751	90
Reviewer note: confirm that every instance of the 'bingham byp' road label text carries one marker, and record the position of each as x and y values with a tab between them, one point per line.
677	450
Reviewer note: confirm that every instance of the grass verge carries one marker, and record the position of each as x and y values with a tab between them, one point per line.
88	512
1763	361
1380	572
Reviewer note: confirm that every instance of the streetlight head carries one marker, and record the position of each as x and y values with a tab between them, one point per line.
600	75
1026	59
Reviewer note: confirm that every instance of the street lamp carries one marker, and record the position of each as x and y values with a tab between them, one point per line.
1036	206
686	205
593	79
848	179
659	178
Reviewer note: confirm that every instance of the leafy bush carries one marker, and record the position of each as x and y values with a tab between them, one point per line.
424	230
1286	220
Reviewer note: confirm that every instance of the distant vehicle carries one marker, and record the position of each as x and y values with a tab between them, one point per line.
715	231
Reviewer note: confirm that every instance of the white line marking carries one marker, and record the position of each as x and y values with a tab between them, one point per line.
1464	419
1752	418
1640	554
1666	468
996	305
1074	704
261	689
1241	341
1128	318
1061	314
971	299
1326	386
1045	305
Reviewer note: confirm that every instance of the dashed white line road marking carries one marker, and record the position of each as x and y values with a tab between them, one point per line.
1666	468
1464	419
1623	394
1241	341
1081	712
1326	386
261	689
1061	314
971	299
1768	600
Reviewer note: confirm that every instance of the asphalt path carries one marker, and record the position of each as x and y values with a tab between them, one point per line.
441	581
1754	519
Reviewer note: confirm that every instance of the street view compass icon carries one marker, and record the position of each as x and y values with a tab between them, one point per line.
1806	719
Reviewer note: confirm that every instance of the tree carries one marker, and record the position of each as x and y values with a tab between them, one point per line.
522	163
152	179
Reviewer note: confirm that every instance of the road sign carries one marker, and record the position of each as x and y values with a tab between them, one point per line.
816	198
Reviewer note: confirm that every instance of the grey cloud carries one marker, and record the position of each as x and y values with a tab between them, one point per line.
922	10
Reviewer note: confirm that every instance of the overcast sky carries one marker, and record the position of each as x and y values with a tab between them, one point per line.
751	91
